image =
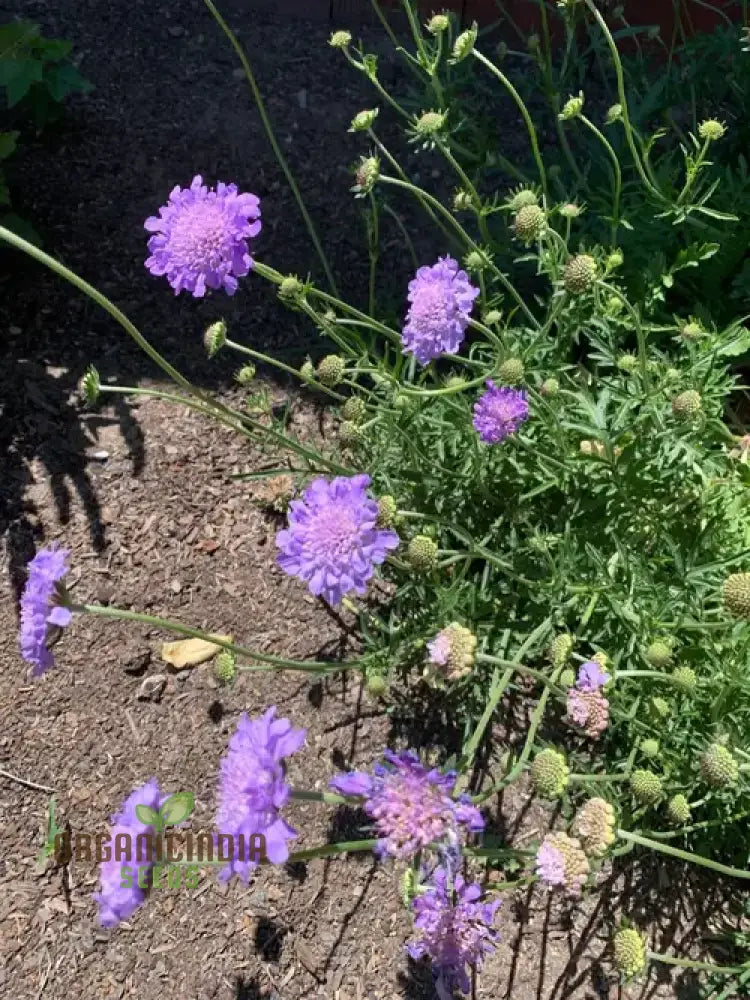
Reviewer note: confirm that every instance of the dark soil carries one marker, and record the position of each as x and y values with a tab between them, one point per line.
142	494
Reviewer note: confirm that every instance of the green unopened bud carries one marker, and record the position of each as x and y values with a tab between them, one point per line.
462	202
532	43
354	409
377	686
307	371
246	374
567	678
718	767
711	130
615	260
331	370
215	337
629	949
550	388
687	406
628	363
661	708
521	198
351	435
737	594
614	114
649	748
560	649
645	786
579	274
438	23
430	123
549	774
692	331
225	667
492	317
572	108
678	810
529	223
602	659
422	553
476	261
455	382
387	509
364	120
510	372
290	289
570	210
366	175
90	386
685	680
464	43
659	653
340	39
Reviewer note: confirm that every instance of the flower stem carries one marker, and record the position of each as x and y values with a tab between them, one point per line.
688	963
330	798
272	139
328	850
674	852
617	178
271	662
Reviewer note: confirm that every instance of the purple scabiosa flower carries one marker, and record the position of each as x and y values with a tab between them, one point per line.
39	609
200	237
333	542
252	789
412	806
117	901
591	677
589	710
455	931
562	864
441	298
499	412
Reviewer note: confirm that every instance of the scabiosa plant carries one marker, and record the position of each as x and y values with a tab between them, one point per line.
333	542
40	607
499	412
451	653
587	706
413	806
441	298
253	789
562	864
201	235
455	931
118	901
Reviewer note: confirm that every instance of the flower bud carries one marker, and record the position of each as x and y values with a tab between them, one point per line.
438	23
572	108
567	678
521	198
464	44
350	434
645	786
363	120
570	210
246	374
614	114
685	680
628	363
462	202
649	748
377	686
718	767
550	388
687	406
678	810
422	553
510	372
90	386
331	370
711	130
549	774
615	260
354	409
659	654
290	289
594	825
560	649
387	509
492	317
661	708
529	223
430	123
225	667
340	39
629	949
737	594
215	337
692	331
579	274
455	382
366	175
452	654
476	260
307	371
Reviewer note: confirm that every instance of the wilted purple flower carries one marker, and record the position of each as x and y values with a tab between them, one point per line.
591	677
456	931
252	789
412	806
117	901
499	412
588	709
333	542
200	237
441	298
39	608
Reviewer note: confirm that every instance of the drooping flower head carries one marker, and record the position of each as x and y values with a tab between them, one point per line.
499	412
561	863
455	931
201	237
39	608
118	902
333	542
441	298
412	806
253	790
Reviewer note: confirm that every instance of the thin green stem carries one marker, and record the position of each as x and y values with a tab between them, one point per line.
329	798
272	139
639	332
617	178
267	359
272	662
373	237
329	850
675	852
688	963
524	113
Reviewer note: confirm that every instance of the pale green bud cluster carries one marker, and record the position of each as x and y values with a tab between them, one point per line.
438	23
572	108
331	370
364	120
340	39
291	288
422	553
718	767
354	409
549	773
659	654
579	274
629	948
678	810
387	509
246	374
464	44
737	594
711	130
685	680
560	649
511	371
529	223
645	786
90	386
550	387
225	667
215	337
687	406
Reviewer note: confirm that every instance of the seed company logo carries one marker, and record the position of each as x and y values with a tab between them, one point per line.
155	858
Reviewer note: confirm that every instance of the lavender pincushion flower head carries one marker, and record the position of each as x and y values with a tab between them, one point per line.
201	237
333	541
253	789
562	864
591	677
499	412
455	931
39	607
587	706
118	902
413	806
441	297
